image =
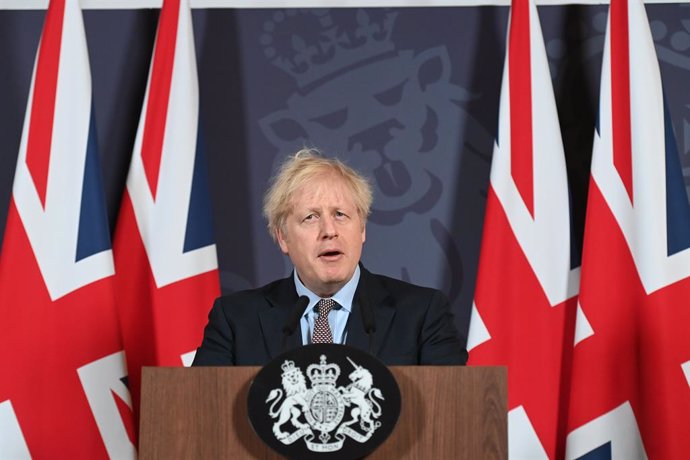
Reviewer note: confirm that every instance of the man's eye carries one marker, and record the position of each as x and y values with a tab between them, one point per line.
340	214
310	217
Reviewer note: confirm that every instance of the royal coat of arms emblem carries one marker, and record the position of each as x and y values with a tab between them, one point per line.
325	415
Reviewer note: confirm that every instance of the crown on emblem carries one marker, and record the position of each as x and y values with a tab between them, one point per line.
325	48
288	368
322	373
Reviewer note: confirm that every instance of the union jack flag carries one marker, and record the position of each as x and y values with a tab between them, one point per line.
167	269
61	385
631	364
524	307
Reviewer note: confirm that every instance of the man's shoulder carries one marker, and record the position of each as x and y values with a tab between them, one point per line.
398	287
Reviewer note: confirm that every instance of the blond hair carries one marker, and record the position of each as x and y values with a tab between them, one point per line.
301	168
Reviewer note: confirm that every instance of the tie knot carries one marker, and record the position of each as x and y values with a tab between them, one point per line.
325	306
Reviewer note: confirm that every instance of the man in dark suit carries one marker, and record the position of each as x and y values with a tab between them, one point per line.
316	209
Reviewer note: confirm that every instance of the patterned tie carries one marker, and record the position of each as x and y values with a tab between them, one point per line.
322	332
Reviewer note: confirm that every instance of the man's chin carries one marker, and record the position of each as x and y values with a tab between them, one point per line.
332	284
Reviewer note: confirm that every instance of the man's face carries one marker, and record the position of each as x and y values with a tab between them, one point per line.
323	235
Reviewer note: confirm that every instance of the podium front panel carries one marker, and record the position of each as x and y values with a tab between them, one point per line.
201	413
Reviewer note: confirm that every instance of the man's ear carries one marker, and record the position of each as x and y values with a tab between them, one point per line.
364	233
282	241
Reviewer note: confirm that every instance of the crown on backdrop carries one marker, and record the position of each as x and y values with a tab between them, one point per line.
324	49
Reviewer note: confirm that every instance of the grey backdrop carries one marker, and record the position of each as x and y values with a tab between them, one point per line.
408	96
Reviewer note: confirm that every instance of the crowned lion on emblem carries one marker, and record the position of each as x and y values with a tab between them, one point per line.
295	387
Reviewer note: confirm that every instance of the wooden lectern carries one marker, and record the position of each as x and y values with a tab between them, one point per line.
448	412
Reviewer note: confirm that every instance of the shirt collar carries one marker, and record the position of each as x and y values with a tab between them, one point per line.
343	297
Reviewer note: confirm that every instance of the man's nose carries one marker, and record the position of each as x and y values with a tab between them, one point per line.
328	228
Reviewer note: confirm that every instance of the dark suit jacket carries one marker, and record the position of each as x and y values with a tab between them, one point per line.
414	324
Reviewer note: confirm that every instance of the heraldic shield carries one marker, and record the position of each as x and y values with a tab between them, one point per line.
324	401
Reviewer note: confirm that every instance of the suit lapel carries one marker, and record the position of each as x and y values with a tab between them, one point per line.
371	291
274	315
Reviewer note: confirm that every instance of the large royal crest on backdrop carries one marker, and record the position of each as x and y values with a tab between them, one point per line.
324	399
